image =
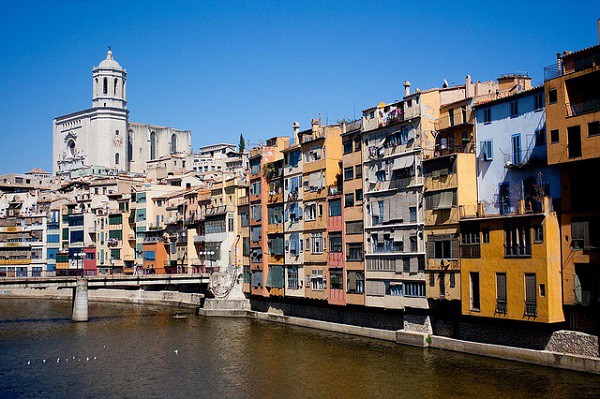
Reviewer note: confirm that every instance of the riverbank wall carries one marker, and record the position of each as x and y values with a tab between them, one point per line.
159	298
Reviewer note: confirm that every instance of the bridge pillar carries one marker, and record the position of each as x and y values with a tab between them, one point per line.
80	300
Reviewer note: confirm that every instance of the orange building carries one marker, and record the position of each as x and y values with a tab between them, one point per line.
573	126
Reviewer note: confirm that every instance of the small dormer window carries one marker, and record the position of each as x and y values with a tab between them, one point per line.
116	132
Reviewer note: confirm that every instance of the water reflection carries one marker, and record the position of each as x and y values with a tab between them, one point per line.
239	358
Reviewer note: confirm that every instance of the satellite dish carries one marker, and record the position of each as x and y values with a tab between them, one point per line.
445	84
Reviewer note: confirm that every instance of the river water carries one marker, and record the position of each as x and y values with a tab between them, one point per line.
128	351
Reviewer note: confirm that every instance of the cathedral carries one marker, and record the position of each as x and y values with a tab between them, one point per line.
102	138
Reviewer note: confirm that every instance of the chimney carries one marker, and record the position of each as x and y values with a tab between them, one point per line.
406	88
296	127
468	87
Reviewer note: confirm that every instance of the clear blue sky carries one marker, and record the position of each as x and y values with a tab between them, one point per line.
221	68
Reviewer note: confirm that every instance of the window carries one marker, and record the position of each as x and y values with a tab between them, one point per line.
356	282
574	141
152	145
316	280
584	234
514	109
530	295
552	96
485	233
474	291
354	227
336	279
413	213
255	166
256	255
358	171
255	188
275	215
540	137
357	143
554	138
487	115
359	194
310	212
451	116
116	159
246	246
517	239
255	233
335	208
348	200
347	146
292	274
501	293
276	246
442	249
317	243
504	198
538	233
256	212
515	141
593	129
105	87
539	101
354	251
380	175
115	86
173	147
245	219
487	150
414	289
335	242
542	290
257	278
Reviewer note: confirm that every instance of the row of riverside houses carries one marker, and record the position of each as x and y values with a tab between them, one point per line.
170	220
472	199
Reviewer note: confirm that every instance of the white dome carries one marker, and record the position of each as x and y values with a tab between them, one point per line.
109	62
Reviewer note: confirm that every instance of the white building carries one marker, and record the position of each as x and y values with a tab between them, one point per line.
102	136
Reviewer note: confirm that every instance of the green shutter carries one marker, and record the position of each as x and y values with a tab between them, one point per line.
118	234
115	219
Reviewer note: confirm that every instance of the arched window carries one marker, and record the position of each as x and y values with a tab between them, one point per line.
152	145
116	132
130	146
116	158
173	144
105	91
115	87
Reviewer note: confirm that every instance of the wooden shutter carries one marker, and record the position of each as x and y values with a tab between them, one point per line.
454	247
530	288
501	287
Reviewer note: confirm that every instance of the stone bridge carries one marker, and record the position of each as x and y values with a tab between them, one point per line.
80	285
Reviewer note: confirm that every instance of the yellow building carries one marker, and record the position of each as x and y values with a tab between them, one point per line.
510	266
450	181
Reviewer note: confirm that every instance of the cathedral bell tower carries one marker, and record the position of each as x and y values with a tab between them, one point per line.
109	84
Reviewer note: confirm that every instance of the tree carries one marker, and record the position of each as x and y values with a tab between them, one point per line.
242	144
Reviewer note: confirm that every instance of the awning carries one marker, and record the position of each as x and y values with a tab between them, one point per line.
403	162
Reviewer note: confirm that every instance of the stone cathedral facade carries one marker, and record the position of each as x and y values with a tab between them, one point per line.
102	138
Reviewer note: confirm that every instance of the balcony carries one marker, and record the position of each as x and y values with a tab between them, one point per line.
216	211
334	190
572	64
525	157
243	200
584	107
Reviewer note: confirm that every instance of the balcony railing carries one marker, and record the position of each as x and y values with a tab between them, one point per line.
571	66
530	309
516	159
500	306
574	109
